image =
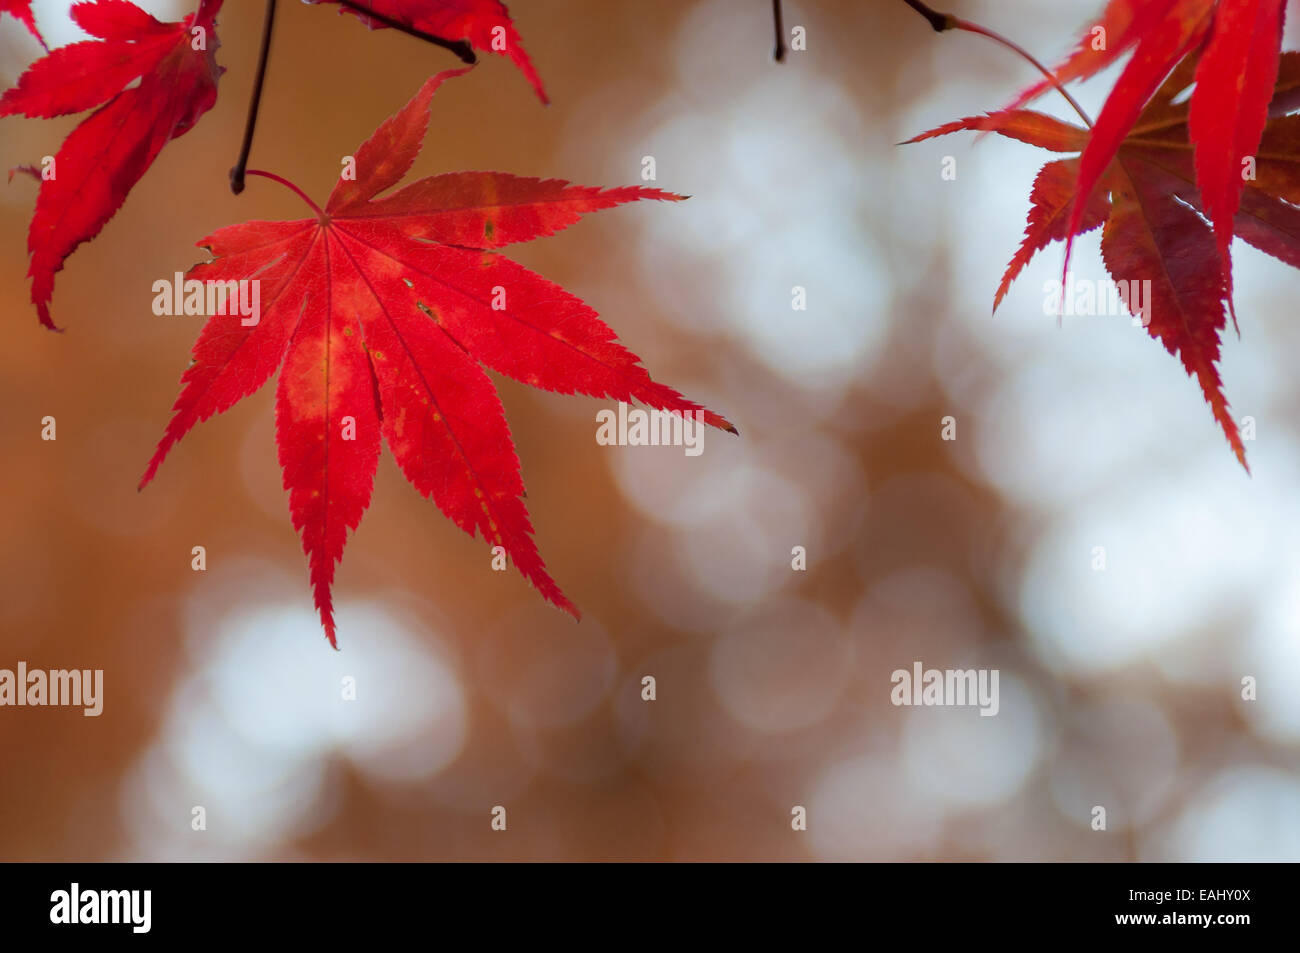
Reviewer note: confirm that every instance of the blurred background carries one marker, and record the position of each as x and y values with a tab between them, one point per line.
1119	687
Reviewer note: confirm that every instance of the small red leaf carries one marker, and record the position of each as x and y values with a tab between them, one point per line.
484	24
103	158
1034	128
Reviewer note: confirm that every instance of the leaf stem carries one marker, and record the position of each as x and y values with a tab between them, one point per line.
779	21
940	21
237	172
289	185
461	48
946	21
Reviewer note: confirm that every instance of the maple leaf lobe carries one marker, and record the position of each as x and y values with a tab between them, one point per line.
21	10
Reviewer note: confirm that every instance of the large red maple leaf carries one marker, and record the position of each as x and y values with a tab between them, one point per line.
1148	198
103	158
484	24
22	11
380	310
1240	42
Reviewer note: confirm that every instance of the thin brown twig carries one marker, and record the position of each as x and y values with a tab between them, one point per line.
254	103
779	21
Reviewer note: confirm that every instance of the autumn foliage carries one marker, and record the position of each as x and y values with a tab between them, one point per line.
382	309
378	311
1171	179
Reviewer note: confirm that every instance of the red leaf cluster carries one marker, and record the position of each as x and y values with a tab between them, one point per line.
1171	181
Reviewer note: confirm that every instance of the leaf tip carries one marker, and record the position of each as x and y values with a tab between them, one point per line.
43	312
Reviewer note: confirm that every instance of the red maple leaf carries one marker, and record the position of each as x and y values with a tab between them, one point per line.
22	10
1240	42
103	158
1148	198
484	24
380	311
